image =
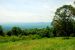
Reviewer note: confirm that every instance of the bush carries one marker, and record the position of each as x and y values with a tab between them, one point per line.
14	38
35	36
9	33
8	39
29	37
25	37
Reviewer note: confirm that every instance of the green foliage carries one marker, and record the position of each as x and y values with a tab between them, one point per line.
14	38
63	21
9	39
16	34
30	37
16	31
1	31
24	32
35	36
9	33
45	32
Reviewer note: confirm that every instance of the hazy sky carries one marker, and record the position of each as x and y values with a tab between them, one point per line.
29	10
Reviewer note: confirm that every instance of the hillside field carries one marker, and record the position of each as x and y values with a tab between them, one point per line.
57	43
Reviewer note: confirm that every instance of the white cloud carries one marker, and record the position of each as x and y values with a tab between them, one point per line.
28	11
22	16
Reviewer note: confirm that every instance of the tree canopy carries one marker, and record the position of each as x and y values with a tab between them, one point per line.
63	20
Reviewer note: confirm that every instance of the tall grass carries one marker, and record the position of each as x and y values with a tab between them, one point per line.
18	38
40	44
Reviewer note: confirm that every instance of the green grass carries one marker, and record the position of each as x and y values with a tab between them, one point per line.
57	43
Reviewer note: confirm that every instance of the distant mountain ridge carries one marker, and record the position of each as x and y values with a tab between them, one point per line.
8	26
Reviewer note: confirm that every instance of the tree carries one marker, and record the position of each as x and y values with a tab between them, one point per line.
1	31
9	33
62	22
16	31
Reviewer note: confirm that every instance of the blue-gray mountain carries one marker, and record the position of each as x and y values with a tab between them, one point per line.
8	26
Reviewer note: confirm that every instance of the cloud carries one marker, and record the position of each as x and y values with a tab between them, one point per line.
29	10
7	15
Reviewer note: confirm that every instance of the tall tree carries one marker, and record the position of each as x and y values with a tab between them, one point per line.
1	31
62	21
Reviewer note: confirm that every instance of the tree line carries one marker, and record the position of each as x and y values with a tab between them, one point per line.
17	31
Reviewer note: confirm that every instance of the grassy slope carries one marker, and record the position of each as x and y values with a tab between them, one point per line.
40	44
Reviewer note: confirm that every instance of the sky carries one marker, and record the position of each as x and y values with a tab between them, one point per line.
29	10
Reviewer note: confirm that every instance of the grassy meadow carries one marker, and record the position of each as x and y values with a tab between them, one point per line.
57	43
